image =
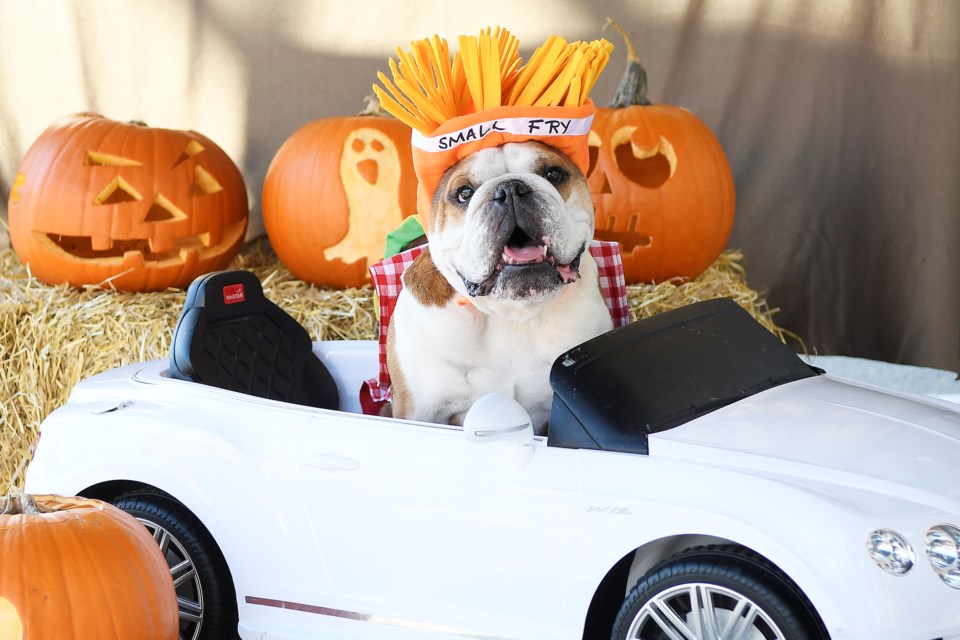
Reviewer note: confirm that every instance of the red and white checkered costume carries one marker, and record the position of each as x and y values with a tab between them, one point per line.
387	279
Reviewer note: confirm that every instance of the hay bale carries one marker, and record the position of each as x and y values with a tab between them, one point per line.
51	337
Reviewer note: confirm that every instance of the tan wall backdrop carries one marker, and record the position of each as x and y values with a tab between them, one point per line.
841	119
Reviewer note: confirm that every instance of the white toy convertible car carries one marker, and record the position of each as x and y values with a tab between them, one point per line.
698	481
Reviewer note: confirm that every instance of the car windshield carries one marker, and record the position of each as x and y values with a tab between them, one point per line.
655	374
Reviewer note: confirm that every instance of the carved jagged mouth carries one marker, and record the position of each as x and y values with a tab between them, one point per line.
80	248
522	253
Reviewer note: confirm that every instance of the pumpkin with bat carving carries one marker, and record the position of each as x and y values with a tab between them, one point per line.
124	205
334	190
661	184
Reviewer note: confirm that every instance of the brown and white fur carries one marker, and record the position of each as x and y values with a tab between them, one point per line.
505	286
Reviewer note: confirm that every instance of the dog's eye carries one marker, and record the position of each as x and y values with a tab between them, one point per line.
555	175
464	194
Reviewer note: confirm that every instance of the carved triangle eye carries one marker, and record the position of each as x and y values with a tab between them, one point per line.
97	159
594	143
193	148
18	182
204	183
162	210
117	191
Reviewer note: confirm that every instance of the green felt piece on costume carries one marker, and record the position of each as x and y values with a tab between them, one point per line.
399	238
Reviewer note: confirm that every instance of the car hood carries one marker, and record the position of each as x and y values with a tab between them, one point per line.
831	430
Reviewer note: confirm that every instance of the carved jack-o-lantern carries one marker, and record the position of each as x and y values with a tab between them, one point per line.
334	190
125	205
660	182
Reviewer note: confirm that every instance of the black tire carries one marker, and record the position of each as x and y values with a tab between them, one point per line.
205	593
714	580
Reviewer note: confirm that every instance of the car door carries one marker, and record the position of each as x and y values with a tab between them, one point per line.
422	529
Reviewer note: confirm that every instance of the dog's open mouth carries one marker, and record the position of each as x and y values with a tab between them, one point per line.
526	267
522	250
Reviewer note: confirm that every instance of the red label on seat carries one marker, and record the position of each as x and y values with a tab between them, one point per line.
233	293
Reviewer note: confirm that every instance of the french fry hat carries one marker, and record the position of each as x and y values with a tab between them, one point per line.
486	98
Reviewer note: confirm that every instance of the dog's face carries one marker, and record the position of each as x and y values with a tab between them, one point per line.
510	223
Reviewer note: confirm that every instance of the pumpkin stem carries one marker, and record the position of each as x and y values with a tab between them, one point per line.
371	107
17	502
139	123
633	84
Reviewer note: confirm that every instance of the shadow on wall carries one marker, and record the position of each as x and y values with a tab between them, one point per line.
832	144
290	84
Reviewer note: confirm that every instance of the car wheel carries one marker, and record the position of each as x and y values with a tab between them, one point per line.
715	592
205	594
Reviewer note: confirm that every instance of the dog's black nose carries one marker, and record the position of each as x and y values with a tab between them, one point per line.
511	189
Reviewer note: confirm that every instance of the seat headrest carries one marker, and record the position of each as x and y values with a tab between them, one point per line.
229	335
227	294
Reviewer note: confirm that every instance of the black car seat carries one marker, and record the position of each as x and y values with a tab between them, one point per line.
231	336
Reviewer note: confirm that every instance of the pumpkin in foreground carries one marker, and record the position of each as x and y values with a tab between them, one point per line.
661	184
124	205
83	569
334	190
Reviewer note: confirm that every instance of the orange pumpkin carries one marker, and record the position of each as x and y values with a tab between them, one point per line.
125	205
661	184
333	191
75	568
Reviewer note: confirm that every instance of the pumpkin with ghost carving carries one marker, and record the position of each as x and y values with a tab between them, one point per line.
661	184
124	205
334	190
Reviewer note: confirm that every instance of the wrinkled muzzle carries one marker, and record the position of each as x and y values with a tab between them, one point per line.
523	257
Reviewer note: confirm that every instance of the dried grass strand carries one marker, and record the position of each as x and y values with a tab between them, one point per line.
51	337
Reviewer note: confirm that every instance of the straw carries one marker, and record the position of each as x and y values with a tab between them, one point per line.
51	337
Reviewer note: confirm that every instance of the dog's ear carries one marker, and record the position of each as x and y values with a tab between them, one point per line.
425	282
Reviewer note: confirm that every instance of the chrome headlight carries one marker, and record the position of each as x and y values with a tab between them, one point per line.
891	551
943	551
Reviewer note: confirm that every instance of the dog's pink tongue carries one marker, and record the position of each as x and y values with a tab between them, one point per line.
532	253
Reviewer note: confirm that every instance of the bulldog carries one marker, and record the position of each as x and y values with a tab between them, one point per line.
506	285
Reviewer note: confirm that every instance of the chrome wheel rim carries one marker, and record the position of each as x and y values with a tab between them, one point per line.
186	581
698	611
